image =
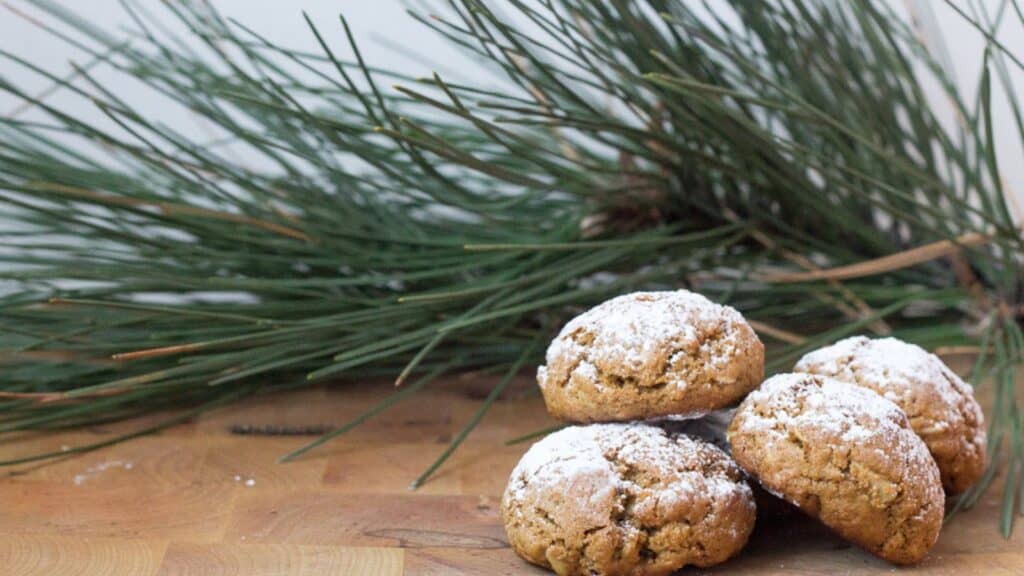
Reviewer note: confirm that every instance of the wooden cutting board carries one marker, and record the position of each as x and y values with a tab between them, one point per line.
200	500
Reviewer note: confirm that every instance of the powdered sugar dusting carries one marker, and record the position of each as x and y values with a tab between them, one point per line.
846	455
599	451
629	330
904	373
586	490
821	402
572	451
848	412
587	370
893	367
97	469
940	406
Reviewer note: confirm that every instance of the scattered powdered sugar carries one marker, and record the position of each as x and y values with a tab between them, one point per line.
249	482
92	471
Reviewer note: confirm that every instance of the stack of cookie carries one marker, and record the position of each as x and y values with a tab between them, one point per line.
636	492
637	497
865	436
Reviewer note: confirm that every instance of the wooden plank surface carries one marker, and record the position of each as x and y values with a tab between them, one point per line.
200	500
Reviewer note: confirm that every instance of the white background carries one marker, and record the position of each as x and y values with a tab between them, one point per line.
388	36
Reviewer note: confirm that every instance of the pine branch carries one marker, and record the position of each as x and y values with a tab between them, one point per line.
329	226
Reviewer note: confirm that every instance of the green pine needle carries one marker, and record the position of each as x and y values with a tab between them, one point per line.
328	227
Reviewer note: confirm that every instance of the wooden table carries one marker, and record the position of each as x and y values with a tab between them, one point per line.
198	499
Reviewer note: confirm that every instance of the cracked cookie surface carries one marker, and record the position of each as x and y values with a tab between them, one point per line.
626	499
941	407
650	354
845	455
711	428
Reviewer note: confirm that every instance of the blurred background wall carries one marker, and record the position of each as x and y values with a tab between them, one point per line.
390	38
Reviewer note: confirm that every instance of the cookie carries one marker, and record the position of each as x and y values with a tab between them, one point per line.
940	406
650	354
632	499
711	428
845	455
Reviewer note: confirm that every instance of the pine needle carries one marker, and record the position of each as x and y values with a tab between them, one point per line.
326	226
478	416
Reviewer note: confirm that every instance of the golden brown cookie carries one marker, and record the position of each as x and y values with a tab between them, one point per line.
650	354
711	428
844	455
610	499
940	406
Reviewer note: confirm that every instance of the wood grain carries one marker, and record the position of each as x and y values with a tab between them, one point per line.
50	555
278	559
397	520
200	500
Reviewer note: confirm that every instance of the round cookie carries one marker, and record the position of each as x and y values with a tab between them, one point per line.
940	406
650	354
845	455
630	499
